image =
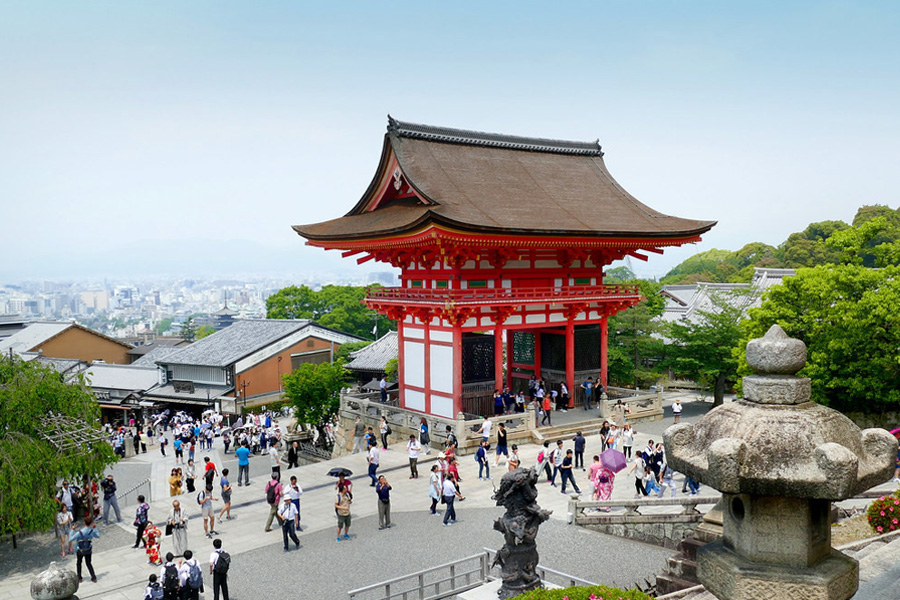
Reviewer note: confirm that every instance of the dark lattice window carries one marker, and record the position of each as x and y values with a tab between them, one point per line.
523	348
477	358
587	349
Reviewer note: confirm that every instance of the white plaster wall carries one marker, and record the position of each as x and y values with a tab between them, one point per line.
535	318
442	369
442	407
556	317
415	333
414	399
414	363
514	320
442	336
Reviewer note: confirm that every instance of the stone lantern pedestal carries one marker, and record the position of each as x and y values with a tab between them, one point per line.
779	461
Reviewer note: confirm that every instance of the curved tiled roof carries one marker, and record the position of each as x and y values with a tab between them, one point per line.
491	183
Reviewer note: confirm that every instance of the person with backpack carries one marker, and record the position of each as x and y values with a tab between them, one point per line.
154	590
543	461
205	500
273	498
169	575
84	546
190	577
219	563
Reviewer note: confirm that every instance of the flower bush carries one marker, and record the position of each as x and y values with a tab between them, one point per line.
598	592
884	513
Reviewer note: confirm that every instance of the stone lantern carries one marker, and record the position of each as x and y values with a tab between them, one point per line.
779	461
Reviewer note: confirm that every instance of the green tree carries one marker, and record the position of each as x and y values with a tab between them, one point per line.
392	370
30	465
633	343
203	331
703	349
847	316
189	330
163	326
314	390
343	352
337	306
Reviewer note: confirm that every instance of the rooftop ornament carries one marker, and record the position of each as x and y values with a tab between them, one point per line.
779	461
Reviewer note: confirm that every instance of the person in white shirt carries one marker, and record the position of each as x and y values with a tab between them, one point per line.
184	575
294	491
287	515
220	580
676	409
373	458
275	461
413	448
485	430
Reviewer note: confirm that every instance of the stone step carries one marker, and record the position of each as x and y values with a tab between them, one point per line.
668	584
689	546
683	567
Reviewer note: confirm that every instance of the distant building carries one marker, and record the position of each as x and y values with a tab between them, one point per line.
144	348
370	362
241	366
685	302
119	389
66	340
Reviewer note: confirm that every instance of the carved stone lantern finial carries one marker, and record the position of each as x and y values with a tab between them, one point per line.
779	461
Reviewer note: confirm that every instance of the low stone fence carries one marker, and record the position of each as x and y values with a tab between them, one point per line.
643	407
405	422
663	528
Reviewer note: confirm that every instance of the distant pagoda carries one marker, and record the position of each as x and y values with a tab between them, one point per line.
496	234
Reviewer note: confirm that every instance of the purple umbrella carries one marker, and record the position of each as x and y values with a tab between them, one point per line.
613	460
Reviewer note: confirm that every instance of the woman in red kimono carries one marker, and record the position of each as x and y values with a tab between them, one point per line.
152	538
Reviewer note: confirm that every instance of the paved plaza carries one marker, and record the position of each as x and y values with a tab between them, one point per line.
324	568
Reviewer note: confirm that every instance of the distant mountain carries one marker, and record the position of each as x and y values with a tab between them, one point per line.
806	248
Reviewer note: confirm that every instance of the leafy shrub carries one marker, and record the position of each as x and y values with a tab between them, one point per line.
884	513
597	592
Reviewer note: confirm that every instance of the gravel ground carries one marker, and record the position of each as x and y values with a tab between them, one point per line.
328	569
38	550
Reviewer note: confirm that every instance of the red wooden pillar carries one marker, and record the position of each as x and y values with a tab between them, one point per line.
457	370
498	357
537	354
604	340
570	360
510	335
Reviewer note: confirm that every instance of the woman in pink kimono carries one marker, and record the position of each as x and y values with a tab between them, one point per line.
602	479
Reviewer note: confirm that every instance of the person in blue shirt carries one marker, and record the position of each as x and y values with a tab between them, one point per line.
588	387
243	456
483	464
84	546
179	453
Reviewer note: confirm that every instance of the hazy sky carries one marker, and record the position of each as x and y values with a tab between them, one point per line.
181	137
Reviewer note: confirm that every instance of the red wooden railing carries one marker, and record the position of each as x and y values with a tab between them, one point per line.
520	295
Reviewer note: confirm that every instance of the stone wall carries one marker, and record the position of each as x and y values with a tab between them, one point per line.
667	535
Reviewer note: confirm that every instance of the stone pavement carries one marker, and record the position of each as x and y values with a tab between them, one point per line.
418	537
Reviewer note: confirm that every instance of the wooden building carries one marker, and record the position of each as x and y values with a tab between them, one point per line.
500	240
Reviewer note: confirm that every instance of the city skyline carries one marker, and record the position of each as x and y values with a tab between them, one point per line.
185	140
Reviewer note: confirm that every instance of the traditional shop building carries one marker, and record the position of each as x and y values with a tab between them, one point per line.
501	242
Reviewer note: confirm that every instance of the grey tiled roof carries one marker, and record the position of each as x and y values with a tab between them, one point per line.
122	377
199	396
695	298
157	353
450	135
233	343
376	355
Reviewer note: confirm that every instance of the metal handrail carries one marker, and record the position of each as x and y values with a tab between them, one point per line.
544	571
134	488
420	586
520	295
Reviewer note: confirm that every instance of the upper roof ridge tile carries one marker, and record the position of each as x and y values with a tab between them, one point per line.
496	140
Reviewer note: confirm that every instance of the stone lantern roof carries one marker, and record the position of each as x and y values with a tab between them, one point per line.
775	441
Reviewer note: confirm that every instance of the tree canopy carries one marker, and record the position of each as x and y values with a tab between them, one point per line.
30	465
872	240
337	306
704	349
847	316
633	340
314	390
